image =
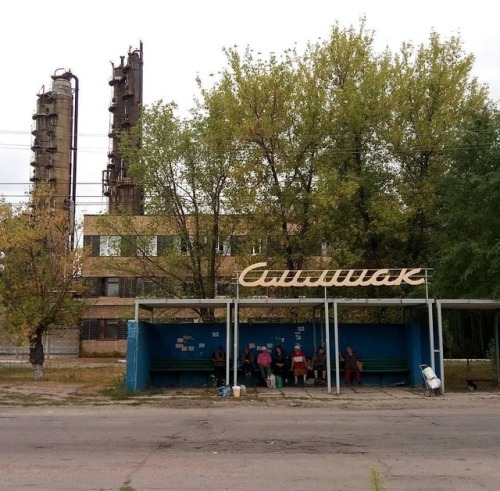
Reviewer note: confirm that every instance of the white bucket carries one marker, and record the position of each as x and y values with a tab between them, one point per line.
236	390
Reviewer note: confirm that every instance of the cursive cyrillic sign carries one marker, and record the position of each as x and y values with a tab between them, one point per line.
330	277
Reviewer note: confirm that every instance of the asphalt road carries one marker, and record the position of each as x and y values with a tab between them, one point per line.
249	447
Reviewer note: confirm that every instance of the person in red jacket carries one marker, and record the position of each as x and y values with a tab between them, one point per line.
299	364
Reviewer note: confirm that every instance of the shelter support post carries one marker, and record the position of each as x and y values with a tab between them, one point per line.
440	334
431	335
236	342
327	341
228	340
336	334
497	346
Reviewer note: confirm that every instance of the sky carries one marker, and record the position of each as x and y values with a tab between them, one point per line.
181	40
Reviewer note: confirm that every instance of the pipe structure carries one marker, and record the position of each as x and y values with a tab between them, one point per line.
68	75
141	62
74	148
497	346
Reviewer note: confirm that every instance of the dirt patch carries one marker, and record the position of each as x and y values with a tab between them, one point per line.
96	381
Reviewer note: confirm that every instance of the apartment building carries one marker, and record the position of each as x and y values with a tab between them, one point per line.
141	256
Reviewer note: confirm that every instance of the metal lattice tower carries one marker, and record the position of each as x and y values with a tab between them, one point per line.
123	194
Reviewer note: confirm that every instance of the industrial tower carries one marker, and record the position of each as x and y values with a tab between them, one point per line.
123	194
54	144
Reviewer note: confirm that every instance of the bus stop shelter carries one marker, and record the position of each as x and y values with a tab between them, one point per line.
326	306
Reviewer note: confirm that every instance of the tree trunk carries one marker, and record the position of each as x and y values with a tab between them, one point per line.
37	356
37	372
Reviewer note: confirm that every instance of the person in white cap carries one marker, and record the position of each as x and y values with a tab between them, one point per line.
299	364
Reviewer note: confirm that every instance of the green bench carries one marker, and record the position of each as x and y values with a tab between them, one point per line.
384	366
178	367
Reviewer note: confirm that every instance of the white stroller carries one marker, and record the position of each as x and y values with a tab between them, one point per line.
432	383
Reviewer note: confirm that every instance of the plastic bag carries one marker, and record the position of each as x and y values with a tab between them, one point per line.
271	381
224	391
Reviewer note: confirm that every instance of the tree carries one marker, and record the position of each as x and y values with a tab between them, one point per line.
183	166
39	275
359	210
433	95
272	112
339	146
467	224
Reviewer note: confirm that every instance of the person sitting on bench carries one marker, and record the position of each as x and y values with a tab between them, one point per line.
264	361
351	364
299	364
247	363
219	361
319	365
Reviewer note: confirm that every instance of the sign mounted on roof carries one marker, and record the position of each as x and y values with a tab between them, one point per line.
331	277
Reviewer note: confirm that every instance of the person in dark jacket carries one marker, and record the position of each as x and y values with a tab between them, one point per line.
280	364
219	361
247	364
351	365
319	365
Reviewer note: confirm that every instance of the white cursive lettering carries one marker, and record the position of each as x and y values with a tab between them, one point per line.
328	278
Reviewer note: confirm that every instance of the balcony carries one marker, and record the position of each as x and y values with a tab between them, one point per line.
116	79
128	92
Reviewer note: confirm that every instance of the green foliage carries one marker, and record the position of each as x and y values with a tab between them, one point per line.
377	481
467	228
492	355
38	280
386	159
118	391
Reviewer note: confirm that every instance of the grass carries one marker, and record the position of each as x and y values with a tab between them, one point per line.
458	372
105	376
377	481
109	380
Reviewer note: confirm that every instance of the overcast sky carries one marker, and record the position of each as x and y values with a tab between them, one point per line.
182	39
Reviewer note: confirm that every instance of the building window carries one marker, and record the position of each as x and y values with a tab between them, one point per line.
256	248
186	244
103	329
147	245
127	246
188	289
223	289
146	287
111	287
166	244
224	246
109	245
93	287
109	329
92	242
237	243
